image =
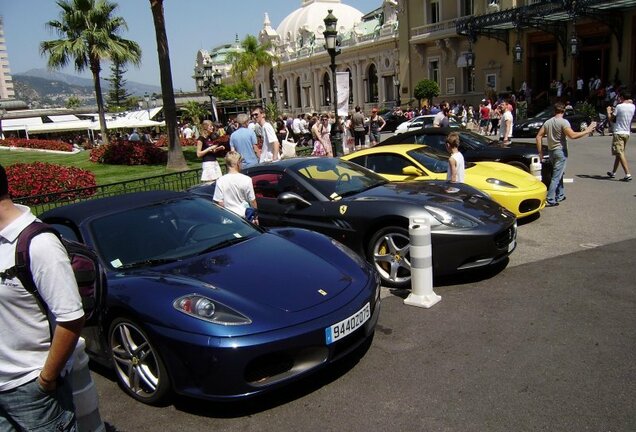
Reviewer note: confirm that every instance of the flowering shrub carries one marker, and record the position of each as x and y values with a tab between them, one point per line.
40	178
163	141
129	153
36	144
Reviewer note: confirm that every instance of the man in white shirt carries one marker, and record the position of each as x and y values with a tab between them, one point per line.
34	395
505	128
271	147
234	190
187	132
622	117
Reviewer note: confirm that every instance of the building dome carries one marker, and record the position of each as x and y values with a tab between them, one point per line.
309	19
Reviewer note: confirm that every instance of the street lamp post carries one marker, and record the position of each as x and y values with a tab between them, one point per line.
331	45
396	84
208	79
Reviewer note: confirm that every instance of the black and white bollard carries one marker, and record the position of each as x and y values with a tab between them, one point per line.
421	253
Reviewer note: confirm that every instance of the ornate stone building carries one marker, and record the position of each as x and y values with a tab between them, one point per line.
368	45
515	41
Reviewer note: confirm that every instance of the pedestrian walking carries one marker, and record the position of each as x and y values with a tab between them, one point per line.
376	123
557	130
622	117
35	392
357	124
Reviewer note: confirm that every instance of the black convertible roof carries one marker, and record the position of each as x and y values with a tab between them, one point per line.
80	211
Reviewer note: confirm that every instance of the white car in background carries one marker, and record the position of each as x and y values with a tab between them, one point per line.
420	122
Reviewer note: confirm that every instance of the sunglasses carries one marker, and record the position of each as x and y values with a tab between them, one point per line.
255	114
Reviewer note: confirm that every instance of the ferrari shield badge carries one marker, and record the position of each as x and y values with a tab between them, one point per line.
343	209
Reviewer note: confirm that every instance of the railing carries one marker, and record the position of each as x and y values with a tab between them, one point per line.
176	181
430	29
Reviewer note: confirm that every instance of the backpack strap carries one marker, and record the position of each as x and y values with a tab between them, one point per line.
22	267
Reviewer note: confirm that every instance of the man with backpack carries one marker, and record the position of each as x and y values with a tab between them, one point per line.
38	331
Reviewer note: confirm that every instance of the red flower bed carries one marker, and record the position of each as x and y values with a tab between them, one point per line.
163	141
40	178
37	144
129	153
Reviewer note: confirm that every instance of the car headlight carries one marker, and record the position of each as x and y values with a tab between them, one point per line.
203	308
351	254
451	219
535	125
501	183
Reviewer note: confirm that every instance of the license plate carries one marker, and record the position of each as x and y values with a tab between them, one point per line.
526	129
511	246
347	325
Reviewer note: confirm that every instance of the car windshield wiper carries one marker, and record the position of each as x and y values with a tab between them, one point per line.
224	243
148	262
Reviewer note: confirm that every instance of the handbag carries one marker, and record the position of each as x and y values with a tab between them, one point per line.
288	148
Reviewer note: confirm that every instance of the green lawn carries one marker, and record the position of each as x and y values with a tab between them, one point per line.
104	174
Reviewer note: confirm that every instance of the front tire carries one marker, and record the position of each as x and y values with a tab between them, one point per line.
138	366
389	253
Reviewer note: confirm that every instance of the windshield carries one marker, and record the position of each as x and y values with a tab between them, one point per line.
433	160
548	112
335	178
473	141
166	231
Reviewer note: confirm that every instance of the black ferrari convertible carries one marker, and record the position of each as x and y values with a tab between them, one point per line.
371	215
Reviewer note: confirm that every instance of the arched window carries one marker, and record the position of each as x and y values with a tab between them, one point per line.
372	83
326	89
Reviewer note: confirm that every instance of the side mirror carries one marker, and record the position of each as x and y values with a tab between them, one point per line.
291	198
412	171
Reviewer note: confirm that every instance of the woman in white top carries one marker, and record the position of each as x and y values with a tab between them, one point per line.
455	172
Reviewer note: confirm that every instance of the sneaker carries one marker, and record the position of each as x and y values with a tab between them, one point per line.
627	178
551	204
611	174
561	199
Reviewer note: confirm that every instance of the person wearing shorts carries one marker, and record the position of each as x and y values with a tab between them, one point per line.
622	117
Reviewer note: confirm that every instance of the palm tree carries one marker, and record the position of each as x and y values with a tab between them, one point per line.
89	33
246	63
176	160
195	112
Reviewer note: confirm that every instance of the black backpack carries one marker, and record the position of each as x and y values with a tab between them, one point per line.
83	260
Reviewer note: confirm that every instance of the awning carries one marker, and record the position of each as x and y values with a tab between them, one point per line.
20	124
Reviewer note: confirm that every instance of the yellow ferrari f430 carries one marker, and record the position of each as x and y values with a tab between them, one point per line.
514	189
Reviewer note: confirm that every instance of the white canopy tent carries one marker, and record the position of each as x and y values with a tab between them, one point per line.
67	123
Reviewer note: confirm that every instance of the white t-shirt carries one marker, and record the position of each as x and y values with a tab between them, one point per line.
187	132
506	124
459	159
24	330
296	126
269	138
624	116
236	191
437	120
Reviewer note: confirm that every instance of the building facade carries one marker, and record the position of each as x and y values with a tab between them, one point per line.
512	42
6	83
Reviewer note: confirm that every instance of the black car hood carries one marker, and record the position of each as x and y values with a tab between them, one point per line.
457	196
531	120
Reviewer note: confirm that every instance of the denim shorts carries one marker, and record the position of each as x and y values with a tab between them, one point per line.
28	407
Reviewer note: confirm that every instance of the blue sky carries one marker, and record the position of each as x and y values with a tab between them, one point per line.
191	25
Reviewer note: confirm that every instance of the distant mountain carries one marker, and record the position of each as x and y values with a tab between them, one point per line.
135	88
